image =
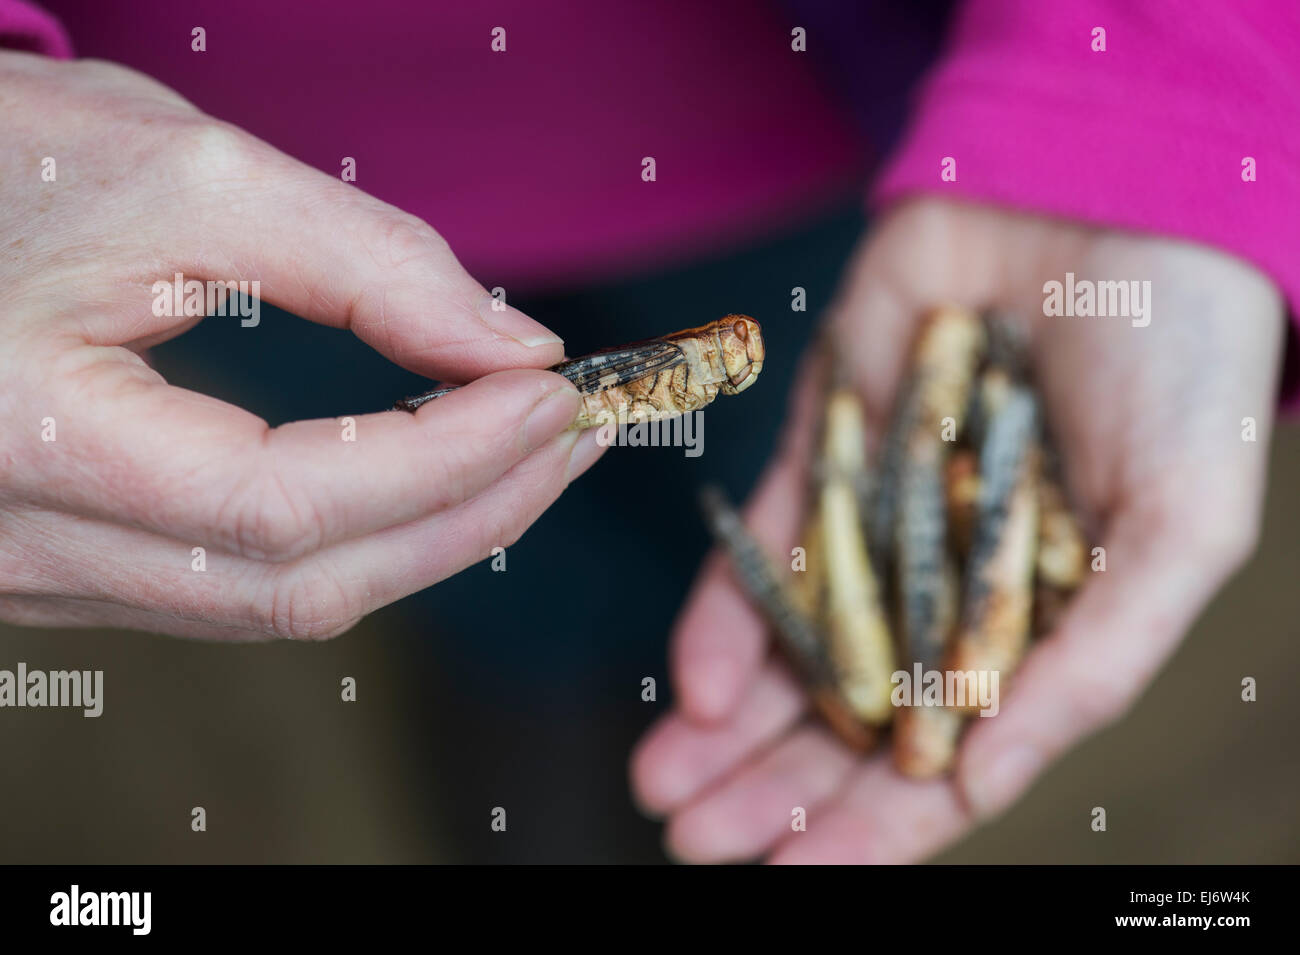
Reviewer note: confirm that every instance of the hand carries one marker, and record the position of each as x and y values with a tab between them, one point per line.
1149	420
304	532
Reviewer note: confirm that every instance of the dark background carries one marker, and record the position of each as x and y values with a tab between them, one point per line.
523	689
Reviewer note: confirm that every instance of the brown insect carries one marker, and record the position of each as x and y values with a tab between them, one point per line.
795	627
1000	570
973	547
658	378
934	410
852	605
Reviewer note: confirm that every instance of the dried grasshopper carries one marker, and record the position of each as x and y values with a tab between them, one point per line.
947	354
1062	547
961	492
1000	570
856	628
969	540
925	737
658	378
796	632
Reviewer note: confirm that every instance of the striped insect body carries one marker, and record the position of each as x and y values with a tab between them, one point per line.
657	379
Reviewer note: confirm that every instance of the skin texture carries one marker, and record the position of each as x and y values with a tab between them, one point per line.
303	533
1149	421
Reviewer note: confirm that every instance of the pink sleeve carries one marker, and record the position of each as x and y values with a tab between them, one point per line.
25	26
1156	133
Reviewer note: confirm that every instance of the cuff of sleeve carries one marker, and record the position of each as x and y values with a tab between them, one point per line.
1115	166
31	29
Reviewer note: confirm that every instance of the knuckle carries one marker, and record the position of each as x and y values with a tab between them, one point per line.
399	240
269	520
214	152
449	481
511	532
310	603
494	533
504	529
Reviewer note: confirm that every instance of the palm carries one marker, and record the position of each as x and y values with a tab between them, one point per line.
1150	419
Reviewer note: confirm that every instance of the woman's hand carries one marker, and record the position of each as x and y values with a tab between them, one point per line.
1149	420
110	478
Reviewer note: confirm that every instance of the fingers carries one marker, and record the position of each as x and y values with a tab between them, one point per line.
763	800
193	468
390	564
1165	557
85	612
732	789
720	640
62	571
679	759
111	574
878	818
322	249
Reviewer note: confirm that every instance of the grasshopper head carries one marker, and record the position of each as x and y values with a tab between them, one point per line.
741	340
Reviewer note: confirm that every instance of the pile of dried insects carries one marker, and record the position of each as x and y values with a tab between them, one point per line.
937	560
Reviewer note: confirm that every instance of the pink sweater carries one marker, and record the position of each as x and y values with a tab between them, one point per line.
1149	135
529	161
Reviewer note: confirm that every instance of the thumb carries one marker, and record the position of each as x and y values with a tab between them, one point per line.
1164	561
916	260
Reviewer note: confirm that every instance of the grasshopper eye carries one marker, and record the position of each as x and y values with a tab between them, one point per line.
741	330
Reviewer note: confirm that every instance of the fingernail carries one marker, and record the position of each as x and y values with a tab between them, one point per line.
584	454
549	417
510	321
994	787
